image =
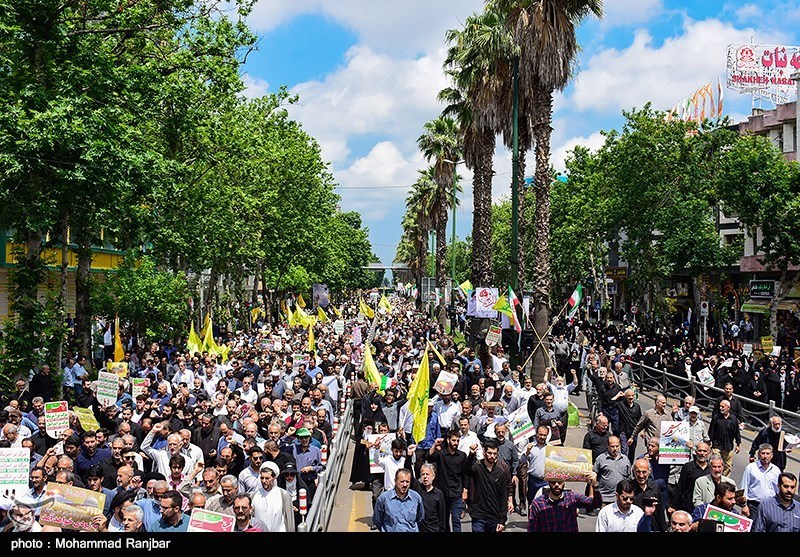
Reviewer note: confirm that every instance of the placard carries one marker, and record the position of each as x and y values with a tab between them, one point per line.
277	343
71	507
202	520
445	382
118	368
567	463
747	348
673	443
139	386
766	345
107	388
300	358
338	327
485	298
15	463
56	418
731	521
385	442
705	376
86	418
520	427
493	335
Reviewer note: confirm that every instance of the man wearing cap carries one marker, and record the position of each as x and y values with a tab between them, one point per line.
697	429
272	504
308	459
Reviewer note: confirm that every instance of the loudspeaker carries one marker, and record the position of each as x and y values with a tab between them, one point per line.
528	340
509	341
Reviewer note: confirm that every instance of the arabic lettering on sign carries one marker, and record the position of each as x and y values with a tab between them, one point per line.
763	69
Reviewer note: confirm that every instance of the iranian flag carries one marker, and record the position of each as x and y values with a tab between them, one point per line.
575	301
387	383
513	301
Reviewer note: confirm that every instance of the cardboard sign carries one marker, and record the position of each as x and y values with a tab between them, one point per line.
14	467
86	418
107	387
202	520
747	349
567	463
139	386
705	376
485	298
56	418
673	442
520	427
493	335
118	368
71	507
731	521
298	359
766	345
445	382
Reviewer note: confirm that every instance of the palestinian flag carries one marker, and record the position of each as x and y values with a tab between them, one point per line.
575	301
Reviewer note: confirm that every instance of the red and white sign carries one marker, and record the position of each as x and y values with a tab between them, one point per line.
763	70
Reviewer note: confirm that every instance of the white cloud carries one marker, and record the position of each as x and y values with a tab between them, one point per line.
255	87
411	26
615	79
748	12
560	153
626	12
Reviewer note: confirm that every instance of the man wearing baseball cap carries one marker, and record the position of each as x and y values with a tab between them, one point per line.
698	431
308	459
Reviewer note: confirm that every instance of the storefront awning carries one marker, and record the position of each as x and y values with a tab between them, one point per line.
789	304
756	306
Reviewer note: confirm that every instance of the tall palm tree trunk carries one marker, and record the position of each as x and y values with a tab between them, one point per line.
481	263
542	115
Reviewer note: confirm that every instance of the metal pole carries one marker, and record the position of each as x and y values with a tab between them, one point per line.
453	249
515	184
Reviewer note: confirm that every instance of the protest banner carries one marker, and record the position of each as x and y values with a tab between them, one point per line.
567	463
731	521
15	463
493	335
120	369
86	418
300	358
673	443
139	386
107	387
338	327
56	418
71	507
202	520
520	427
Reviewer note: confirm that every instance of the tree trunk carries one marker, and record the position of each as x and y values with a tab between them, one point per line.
482	274
441	248
62	291
83	321
542	116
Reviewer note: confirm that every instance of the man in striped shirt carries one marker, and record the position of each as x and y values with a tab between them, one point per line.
780	513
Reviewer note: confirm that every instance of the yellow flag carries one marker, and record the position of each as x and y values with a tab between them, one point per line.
336	311
204	330
255	313
223	352
384	303
311	345
300	301
119	352
370	369
284	309
208	340
418	394
291	318
322	317
194	344
365	309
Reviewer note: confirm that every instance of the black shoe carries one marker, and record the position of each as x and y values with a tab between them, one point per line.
575	393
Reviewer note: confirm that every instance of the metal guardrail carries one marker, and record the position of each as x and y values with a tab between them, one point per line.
757	414
319	514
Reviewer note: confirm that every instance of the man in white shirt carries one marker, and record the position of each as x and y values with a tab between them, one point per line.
760	478
447	410
183	375
468	438
161	456
621	515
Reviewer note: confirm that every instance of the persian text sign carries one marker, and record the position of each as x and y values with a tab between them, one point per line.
567	463
71	507
14	467
208	521
673	442
762	69
107	387
56	418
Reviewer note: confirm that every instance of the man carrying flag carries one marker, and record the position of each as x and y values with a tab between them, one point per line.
365	309
575	302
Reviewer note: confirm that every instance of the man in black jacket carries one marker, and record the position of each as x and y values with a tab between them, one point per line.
451	465
433	500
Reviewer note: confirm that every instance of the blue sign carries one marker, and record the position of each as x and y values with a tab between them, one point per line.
597	305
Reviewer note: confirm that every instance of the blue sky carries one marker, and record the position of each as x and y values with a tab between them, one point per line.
367	73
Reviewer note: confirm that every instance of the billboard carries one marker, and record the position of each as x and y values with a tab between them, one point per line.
763	70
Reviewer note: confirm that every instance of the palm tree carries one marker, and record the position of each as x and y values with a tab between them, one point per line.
440	143
416	224
474	63
544	30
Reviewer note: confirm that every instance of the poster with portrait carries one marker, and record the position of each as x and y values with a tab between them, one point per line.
320	295
202	520
567	463
381	447
485	298
731	522
71	507
673	443
107	388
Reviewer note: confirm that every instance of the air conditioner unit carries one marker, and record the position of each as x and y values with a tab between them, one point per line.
672	292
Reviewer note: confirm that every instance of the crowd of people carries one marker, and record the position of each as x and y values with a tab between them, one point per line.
246	435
